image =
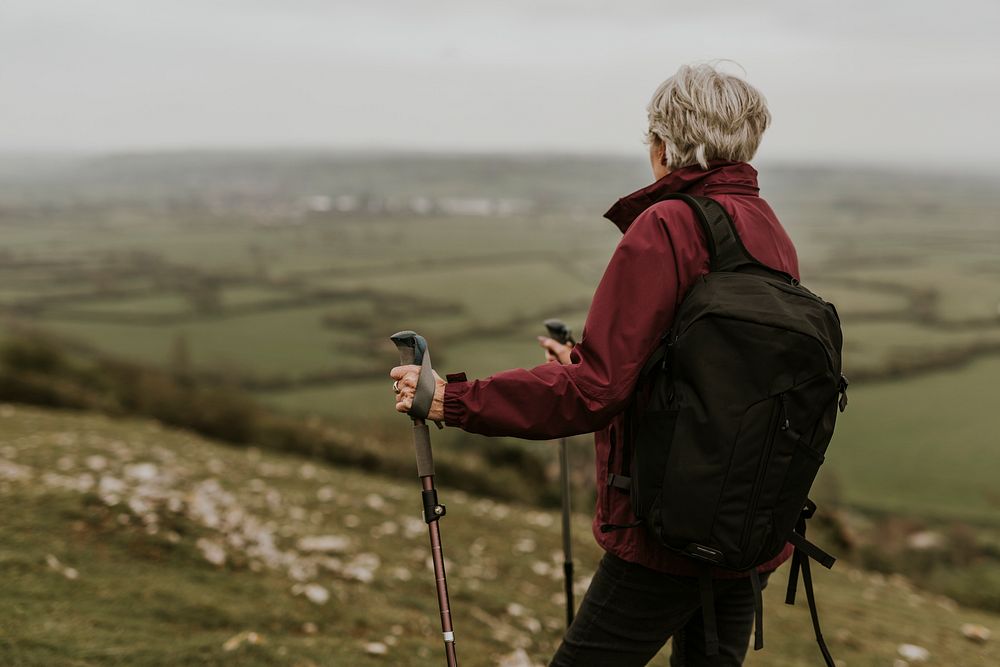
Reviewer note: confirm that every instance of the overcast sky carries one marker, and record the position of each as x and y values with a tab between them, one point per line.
897	81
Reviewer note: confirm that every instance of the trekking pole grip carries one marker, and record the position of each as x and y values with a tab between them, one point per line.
413	350
558	331
411	345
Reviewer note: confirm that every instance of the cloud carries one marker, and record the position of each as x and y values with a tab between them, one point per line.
895	80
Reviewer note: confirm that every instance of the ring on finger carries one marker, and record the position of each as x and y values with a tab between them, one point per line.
395	386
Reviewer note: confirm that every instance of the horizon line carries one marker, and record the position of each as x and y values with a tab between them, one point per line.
974	168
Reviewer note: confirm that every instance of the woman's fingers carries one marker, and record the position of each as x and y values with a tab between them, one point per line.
406	385
400	372
550	344
405	377
554	350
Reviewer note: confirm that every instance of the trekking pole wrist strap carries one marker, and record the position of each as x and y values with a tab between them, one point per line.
423	396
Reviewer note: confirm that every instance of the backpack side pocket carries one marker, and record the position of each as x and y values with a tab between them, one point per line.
653	437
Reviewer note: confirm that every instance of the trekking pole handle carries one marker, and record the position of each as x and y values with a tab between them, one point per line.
412	347
559	332
413	351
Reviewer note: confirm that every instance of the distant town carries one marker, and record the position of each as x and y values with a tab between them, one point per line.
372	204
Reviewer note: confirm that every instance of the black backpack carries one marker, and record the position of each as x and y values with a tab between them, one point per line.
732	417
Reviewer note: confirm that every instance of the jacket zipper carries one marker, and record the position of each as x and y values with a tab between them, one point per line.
772	429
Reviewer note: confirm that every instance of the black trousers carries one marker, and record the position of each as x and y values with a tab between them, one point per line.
630	611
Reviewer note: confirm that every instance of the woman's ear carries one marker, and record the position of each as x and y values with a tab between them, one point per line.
658	158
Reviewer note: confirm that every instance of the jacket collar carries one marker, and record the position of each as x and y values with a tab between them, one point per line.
737	178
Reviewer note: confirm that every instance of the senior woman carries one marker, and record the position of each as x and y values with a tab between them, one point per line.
704	127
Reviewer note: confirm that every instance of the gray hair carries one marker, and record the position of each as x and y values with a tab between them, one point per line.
702	114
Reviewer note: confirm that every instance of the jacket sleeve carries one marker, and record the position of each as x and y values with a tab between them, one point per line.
632	308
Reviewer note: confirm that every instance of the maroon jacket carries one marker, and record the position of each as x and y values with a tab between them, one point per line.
660	255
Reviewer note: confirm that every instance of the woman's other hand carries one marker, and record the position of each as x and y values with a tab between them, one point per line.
555	351
406	385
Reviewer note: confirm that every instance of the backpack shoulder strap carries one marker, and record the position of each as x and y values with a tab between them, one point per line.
725	249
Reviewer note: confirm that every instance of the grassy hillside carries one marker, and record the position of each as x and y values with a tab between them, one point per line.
123	543
219	265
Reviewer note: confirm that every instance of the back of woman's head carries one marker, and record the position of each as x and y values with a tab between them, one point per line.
702	114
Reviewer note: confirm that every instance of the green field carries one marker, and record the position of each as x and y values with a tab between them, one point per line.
106	553
294	342
919	447
234	279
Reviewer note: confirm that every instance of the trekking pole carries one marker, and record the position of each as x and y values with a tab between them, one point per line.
413	350
559	332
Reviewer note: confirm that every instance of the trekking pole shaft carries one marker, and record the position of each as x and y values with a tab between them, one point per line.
567	542
441	581
425	468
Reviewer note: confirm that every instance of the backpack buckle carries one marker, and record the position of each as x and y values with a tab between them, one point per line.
808	509
619	481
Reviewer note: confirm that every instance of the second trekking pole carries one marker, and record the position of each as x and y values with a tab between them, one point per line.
559	332
413	350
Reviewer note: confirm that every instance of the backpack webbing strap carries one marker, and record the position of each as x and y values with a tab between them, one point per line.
758	610
622	482
793	578
809	549
608	527
804	550
814	613
708	610
655	359
725	249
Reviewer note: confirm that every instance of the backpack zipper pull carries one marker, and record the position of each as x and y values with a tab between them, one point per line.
787	425
667	341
